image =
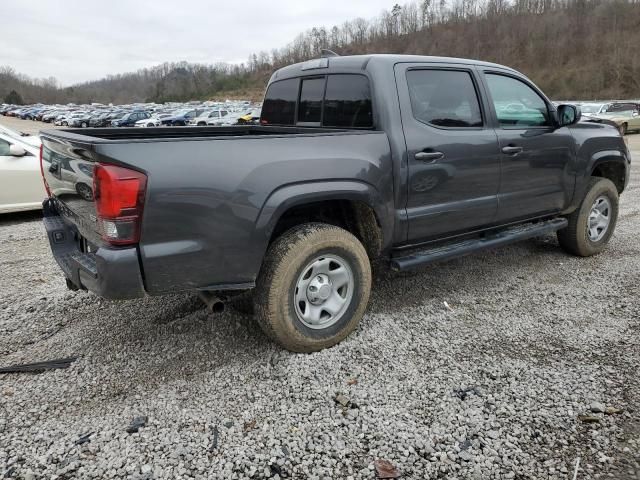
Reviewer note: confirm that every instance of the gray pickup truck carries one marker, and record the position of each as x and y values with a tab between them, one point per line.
403	159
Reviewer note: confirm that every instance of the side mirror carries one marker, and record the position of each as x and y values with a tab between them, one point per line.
568	115
17	151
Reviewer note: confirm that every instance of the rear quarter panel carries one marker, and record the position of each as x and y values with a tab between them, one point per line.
207	216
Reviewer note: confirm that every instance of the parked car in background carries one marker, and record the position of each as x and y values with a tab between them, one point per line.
182	117
625	115
229	119
51	116
68	118
81	120
250	118
129	119
21	185
201	121
101	120
152	121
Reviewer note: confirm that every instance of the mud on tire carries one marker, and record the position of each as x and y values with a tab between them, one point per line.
579	238
299	257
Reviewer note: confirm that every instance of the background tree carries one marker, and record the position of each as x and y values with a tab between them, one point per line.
13	98
573	49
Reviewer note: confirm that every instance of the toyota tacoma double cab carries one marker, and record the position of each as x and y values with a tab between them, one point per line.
402	159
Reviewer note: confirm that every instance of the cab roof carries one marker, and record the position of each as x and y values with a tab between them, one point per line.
361	62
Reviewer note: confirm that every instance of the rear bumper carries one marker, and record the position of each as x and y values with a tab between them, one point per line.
110	273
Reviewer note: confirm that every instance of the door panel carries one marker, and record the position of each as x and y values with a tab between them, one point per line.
452	154
20	180
536	156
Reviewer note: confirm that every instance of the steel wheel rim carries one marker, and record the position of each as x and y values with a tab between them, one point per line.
599	219
323	291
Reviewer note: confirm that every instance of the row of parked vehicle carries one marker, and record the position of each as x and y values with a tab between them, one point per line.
148	115
626	115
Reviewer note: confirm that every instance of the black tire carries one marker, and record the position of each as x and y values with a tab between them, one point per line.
285	263
575	238
83	125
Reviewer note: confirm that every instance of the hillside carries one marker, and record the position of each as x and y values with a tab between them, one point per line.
574	49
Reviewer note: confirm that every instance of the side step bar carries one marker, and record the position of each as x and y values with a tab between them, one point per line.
465	247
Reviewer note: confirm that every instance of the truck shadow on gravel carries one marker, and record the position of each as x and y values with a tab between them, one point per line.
157	340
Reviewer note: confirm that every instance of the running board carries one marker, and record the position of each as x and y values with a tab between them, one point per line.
465	247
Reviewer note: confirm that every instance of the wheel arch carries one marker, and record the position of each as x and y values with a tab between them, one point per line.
356	206
610	164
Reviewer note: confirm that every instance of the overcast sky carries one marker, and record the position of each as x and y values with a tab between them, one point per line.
78	40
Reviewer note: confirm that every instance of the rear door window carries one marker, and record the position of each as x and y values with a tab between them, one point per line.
280	103
444	98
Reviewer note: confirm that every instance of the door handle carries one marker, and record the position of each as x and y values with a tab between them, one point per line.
429	156
512	150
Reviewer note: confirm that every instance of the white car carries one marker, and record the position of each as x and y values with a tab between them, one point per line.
205	117
593	109
153	121
21	185
65	120
229	119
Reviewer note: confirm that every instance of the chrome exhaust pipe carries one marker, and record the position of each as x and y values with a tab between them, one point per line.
214	303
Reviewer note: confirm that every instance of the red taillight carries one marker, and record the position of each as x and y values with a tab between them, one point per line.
119	196
46	185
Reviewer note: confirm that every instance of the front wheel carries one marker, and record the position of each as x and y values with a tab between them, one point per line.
592	224
313	287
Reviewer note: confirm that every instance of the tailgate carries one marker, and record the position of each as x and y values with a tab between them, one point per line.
81	222
68	171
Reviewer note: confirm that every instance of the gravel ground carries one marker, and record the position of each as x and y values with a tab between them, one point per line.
507	382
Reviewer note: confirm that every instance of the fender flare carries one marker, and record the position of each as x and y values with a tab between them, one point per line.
596	159
606	156
293	195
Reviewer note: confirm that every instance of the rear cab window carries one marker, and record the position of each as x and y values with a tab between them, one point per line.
334	100
279	106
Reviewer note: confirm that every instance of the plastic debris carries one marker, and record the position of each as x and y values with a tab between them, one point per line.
39	366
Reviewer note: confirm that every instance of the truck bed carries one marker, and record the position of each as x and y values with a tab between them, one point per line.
213	194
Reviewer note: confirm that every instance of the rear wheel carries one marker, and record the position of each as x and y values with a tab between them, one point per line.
313	287
83	124
592	224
